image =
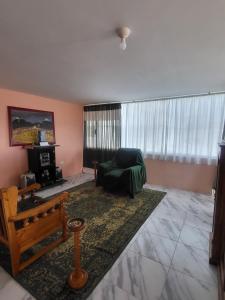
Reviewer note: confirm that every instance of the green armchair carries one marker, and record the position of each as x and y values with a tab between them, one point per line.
126	171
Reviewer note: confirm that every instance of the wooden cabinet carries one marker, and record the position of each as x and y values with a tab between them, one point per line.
217	237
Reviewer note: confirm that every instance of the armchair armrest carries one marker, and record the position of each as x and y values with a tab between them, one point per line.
43	208
102	169
134	168
30	188
137	170
135	177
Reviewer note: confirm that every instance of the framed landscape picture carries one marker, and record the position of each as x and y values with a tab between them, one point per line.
25	125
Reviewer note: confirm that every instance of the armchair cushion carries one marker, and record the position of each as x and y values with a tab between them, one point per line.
115	173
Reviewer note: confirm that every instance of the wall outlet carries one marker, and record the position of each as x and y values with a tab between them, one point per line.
62	162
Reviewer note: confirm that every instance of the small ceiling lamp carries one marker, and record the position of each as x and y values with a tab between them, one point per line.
123	33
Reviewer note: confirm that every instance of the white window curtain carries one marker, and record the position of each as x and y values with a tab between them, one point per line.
181	129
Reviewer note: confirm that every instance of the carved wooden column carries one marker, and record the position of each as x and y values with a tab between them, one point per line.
78	278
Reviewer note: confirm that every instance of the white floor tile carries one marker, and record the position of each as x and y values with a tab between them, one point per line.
70	183
195	263
10	289
170	214
182	287
154	247
195	237
164	227
139	276
107	291
199	220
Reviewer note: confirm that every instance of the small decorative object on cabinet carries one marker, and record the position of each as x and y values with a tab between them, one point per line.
59	175
42	163
217	237
27	179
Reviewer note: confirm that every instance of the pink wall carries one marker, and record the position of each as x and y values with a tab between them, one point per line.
68	129
196	178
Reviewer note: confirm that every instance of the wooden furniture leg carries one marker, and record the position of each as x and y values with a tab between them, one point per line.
78	278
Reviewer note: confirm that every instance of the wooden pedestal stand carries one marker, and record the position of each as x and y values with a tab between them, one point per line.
78	278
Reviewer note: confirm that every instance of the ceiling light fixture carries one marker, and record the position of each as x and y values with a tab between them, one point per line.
123	33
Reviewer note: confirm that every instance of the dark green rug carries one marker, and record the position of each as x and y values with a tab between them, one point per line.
111	222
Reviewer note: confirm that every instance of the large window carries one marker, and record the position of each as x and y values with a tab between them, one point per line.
184	129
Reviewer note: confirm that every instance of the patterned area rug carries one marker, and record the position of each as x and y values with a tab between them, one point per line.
111	221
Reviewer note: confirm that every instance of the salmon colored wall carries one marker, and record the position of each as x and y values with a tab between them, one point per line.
68	129
191	177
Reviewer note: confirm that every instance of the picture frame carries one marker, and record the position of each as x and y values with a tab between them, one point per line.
25	125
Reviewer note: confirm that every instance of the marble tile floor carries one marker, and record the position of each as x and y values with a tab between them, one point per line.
71	182
167	259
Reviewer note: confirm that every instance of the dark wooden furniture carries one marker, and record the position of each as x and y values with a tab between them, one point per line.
19	231
95	163
78	278
42	162
217	237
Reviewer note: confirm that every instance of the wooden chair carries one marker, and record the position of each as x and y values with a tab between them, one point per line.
36	224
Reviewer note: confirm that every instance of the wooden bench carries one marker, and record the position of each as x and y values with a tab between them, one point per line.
36	224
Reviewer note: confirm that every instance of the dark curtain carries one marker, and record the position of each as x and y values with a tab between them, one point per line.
102	132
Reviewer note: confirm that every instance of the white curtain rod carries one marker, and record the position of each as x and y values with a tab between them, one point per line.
162	98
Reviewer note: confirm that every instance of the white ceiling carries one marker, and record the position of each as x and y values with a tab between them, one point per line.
67	49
